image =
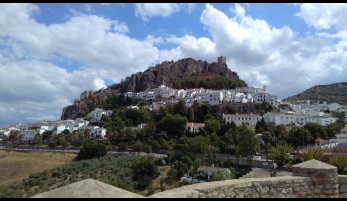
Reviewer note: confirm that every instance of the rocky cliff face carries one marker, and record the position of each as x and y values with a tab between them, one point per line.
168	71
83	107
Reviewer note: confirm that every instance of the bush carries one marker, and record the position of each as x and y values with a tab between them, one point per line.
144	182
92	149
178	146
298	159
151	190
122	146
52	144
339	161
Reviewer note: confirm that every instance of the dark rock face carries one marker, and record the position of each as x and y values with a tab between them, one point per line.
166	71
83	107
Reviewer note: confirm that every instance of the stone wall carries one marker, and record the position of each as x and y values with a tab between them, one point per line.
311	179
343	186
273	187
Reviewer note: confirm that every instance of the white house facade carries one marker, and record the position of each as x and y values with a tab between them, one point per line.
238	119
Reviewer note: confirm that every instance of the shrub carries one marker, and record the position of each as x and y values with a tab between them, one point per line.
52	144
151	190
92	149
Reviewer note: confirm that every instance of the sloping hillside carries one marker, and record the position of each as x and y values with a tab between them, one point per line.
331	93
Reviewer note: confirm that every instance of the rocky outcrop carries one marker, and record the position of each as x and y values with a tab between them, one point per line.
83	107
168	71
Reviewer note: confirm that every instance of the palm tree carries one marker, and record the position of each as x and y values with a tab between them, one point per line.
267	138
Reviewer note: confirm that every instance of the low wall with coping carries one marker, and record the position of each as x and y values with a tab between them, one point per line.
343	186
311	179
272	187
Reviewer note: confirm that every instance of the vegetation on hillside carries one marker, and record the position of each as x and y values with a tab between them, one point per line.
331	93
217	82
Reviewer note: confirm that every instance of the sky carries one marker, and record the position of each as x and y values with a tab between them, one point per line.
51	52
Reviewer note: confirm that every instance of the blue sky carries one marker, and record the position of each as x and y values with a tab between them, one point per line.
50	53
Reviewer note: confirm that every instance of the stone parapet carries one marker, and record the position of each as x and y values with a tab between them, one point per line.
342	186
324	177
274	187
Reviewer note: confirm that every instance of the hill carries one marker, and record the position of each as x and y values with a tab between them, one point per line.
181	74
331	93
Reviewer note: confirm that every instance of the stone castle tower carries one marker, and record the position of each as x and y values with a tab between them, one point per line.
222	60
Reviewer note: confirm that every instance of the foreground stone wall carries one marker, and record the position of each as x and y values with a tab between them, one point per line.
273	187
343	186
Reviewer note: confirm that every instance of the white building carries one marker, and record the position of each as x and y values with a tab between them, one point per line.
321	120
238	119
211	97
97	113
340	139
194	127
94	131
138	127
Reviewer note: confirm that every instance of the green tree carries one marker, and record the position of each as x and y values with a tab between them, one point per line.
211	126
197	145
4	140
13	136
267	138
310	153
280	153
46	135
38	139
174	125
316	130
92	149
191	115
138	146
300	136
249	144
339	161
213	139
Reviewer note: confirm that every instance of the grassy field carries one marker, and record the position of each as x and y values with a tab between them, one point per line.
15	166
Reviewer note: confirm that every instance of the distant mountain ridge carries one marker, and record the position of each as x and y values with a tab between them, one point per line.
331	93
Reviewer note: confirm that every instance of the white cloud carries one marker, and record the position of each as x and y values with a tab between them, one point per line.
28	47
324	15
105	4
88	7
262	54
121	27
190	7
147	10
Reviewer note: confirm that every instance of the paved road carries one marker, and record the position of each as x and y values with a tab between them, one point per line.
77	151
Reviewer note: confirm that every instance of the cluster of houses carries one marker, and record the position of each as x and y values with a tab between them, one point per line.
29	131
212	97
